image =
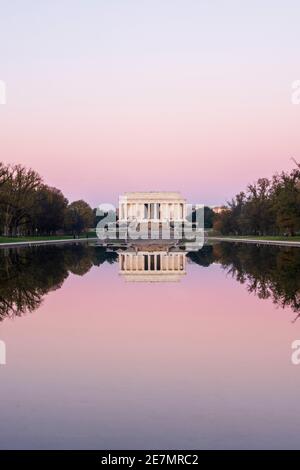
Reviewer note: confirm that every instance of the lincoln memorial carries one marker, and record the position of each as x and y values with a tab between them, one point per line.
152	206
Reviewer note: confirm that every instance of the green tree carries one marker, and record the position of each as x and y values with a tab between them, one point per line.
18	195
49	213
78	217
268	207
286	197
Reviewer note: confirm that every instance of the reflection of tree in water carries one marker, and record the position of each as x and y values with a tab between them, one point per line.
268	271
203	257
28	274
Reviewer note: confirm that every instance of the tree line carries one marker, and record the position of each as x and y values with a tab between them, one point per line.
30	207
267	207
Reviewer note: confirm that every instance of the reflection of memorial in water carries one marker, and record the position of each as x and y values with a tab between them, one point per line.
27	275
157	265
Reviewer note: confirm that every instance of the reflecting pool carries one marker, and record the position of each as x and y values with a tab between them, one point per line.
150	347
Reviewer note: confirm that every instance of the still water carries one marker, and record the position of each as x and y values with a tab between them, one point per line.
164	349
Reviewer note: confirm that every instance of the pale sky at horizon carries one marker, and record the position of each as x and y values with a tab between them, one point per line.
105	97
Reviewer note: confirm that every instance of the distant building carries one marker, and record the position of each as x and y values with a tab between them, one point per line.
152	206
219	209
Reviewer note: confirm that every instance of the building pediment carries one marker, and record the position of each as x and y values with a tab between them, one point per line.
154	196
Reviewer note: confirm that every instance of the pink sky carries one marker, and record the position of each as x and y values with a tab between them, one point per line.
107	97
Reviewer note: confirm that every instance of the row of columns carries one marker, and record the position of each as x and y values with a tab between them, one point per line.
152	211
152	262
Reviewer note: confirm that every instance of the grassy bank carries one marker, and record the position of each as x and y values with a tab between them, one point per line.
253	237
50	237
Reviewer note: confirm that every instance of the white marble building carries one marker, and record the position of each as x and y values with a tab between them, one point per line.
152	206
